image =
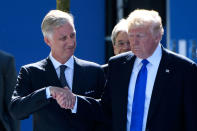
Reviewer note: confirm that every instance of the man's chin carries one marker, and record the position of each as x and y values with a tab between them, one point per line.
70	49
70	52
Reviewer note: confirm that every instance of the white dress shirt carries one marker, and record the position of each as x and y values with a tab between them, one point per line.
152	68
69	72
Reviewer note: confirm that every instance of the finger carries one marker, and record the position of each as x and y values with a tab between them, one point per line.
73	102
59	99
67	101
62	104
64	101
66	88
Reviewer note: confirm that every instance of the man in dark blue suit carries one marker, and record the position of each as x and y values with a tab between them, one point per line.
39	83
166	99
7	84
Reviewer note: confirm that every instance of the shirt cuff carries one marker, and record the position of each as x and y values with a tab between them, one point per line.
74	110
48	93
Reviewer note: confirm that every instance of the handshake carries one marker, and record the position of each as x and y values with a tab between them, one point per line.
64	97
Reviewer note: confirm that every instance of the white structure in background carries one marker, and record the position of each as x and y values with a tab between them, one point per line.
168	23
182	47
120	9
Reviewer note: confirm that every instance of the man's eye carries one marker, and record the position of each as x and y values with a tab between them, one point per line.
120	43
72	35
141	35
63	38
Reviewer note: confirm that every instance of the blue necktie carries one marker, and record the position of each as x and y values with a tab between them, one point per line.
139	99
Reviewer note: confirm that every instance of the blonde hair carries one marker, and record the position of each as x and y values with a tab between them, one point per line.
121	26
142	17
54	19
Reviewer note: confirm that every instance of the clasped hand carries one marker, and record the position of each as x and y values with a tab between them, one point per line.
64	97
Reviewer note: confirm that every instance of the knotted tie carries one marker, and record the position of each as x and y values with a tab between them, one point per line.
139	99
62	76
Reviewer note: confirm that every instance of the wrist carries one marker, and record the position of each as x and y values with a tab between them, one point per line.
48	92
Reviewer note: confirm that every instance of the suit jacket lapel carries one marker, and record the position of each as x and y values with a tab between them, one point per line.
50	73
162	78
121	93
77	74
128	68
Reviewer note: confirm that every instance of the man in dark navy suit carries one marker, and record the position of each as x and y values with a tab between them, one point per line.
41	83
7	84
164	100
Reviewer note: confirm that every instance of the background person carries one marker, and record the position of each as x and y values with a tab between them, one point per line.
7	84
120	40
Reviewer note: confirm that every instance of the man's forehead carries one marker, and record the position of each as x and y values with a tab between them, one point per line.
139	29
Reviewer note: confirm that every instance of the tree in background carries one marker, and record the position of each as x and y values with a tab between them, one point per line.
63	5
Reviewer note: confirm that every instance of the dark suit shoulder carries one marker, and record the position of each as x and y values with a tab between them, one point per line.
5	56
104	66
6	60
37	65
178	59
86	63
122	56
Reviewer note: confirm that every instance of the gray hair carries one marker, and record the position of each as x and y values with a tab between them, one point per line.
54	19
142	17
121	26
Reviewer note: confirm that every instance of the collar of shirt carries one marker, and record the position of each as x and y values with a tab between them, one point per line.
154	59
69	70
56	64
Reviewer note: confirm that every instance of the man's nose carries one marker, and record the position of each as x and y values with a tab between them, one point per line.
70	41
134	41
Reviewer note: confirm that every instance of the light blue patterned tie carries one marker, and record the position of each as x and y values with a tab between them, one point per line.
139	99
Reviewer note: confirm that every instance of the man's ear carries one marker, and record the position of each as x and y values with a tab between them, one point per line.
47	41
158	38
